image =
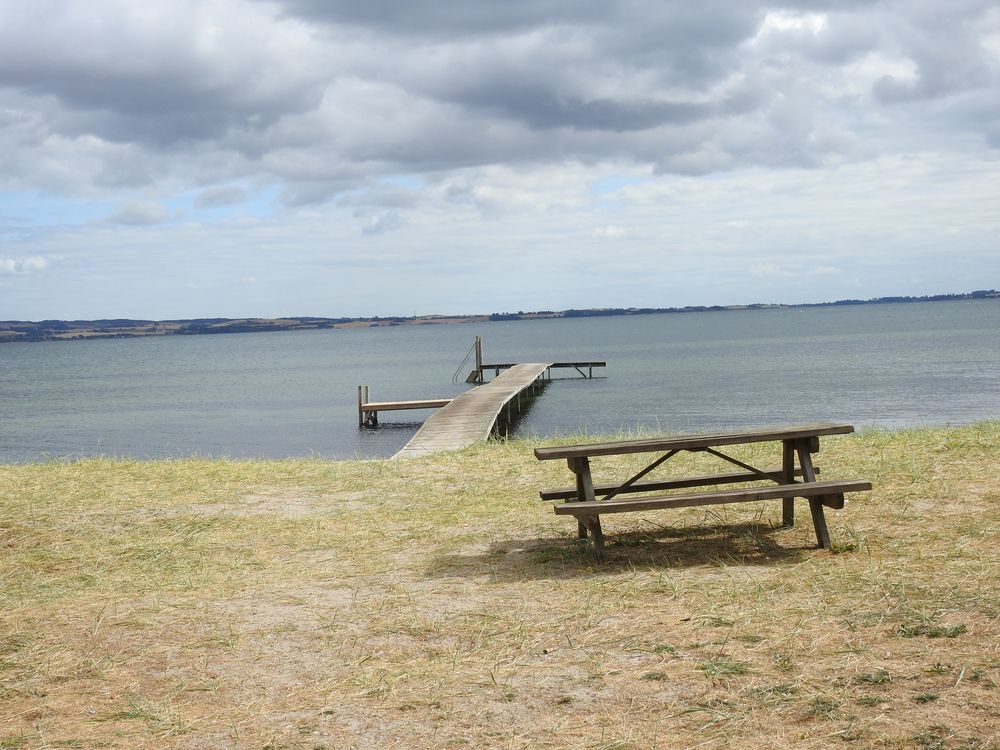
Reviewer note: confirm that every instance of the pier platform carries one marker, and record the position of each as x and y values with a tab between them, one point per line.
368	410
477	374
471	417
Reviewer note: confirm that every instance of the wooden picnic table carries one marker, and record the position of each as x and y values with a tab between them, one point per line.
587	501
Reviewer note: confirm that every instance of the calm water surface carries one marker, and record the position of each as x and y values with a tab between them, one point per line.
294	393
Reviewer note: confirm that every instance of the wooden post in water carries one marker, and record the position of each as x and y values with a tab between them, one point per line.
479	359
364	397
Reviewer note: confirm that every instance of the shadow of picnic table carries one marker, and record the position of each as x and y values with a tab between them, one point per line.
561	556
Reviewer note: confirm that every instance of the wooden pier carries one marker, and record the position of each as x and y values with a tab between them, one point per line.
368	410
472	416
481	368
477	413
578	366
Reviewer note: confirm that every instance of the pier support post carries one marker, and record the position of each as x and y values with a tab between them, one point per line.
366	417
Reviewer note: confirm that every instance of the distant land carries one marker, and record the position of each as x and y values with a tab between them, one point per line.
62	330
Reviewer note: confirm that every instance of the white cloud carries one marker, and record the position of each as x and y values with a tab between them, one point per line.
610	232
772	270
781	20
381	223
20	266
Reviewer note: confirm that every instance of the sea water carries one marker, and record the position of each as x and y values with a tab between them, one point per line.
295	393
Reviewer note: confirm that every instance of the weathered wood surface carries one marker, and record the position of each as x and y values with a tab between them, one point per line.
798	441
693	442
477	375
506	365
470	417
653	485
430	403
368	409
802	489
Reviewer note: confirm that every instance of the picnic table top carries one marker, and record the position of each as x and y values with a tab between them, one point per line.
694	441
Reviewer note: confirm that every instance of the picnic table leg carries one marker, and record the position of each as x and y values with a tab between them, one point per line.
815	503
584	488
597	535
788	471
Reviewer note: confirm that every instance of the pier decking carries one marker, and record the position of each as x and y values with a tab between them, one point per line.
368	410
578	366
470	417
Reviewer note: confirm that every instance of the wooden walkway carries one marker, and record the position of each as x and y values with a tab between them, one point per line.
470	417
368	410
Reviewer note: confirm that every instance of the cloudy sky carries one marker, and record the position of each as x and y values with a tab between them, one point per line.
187	158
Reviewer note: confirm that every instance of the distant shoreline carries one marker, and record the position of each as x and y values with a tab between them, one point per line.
73	330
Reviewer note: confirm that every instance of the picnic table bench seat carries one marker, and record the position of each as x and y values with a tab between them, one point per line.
654	485
587	501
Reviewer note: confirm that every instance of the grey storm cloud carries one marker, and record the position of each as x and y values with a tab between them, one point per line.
319	97
448	19
174	76
139	214
221	197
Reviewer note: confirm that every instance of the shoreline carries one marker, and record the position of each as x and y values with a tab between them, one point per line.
77	330
525	442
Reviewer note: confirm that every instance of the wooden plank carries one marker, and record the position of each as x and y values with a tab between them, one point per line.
806	489
693	442
653	485
505	365
430	403
470	417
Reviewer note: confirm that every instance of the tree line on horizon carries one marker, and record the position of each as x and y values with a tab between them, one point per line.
48	330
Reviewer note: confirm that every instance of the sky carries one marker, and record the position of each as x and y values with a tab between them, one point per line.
236	158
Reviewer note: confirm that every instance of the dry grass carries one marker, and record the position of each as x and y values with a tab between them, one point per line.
438	603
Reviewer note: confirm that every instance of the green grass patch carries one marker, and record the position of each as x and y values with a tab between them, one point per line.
932	631
878	677
720	666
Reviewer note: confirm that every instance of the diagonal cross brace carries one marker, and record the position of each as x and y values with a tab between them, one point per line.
629	482
730	459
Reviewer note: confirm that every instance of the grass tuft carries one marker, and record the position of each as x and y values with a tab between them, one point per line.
932	631
823	706
878	677
720	666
